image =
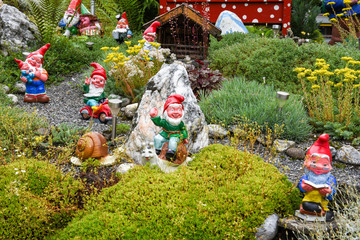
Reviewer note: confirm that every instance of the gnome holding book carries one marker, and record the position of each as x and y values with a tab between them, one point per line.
318	185
173	128
122	30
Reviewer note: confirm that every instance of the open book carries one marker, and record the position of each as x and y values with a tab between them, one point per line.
316	185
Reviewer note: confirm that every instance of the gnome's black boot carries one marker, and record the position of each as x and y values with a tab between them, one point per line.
312	207
170	155
329	216
158	151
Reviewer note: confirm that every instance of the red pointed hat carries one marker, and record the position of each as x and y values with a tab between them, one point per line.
321	145
152	29
41	52
124	19
174	99
75	4
99	70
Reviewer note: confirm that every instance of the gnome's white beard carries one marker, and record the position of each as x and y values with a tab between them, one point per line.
75	20
317	179
172	121
121	30
94	91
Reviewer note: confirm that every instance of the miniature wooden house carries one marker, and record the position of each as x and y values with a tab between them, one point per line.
185	32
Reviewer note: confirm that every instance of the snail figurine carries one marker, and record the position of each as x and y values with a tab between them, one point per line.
92	145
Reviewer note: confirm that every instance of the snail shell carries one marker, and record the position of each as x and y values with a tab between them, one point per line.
93	145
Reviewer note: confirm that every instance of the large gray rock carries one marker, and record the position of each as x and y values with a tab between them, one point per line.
348	154
17	32
171	79
268	230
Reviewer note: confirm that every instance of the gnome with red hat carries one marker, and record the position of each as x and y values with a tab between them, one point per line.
173	128
150	35
71	18
94	86
122	30
34	76
318	185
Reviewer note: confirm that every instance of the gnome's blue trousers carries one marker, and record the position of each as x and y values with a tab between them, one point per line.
160	140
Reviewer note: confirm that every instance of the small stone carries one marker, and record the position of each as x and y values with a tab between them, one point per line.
130	110
125	102
20	87
296	153
283	145
42	131
114	96
216	131
348	154
125	167
5	88
14	99
268	229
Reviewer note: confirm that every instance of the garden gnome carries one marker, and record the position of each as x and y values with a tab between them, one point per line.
318	184
150	35
94	87
173	128
34	76
335	7
71	18
89	25
122	30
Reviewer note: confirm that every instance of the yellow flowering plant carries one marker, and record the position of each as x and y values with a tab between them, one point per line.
133	69
332	96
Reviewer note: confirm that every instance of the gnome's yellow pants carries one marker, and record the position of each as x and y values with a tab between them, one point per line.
315	196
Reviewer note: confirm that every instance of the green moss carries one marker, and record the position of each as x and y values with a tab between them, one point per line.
35	199
223	193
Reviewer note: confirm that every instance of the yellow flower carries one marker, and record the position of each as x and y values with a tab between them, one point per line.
312	79
330	3
126	59
157	45
137	51
340	14
115	49
346	58
347	8
346	19
121	63
104	48
333	20
127	43
107	60
347	1
338	84
116	67
315	87
345	80
330	83
299	69
301	75
148	58
303	33
356	85
142	41
326	14
130	51
146	51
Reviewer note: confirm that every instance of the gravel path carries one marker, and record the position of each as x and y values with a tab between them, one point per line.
64	106
66	100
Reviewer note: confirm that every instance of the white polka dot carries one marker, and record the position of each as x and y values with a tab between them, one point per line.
177	5
234	7
289	23
276	7
161	7
272	16
168	8
285	25
191	5
223	5
289	4
225	0
280	19
207	9
255	21
265	0
244	17
246	4
259	10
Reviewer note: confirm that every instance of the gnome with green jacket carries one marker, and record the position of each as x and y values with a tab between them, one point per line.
173	128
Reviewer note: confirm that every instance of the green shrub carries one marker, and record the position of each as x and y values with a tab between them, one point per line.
238	98
272	60
223	193
35	199
9	69
66	134
17	132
